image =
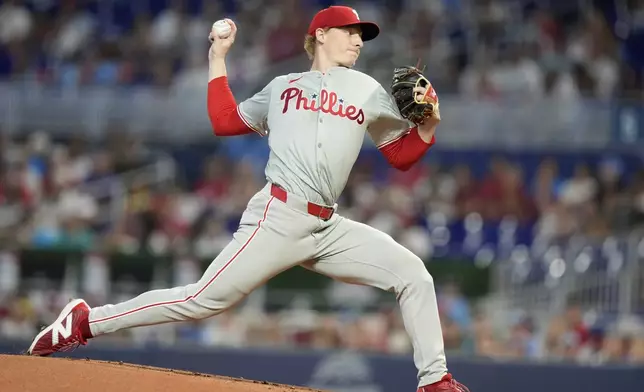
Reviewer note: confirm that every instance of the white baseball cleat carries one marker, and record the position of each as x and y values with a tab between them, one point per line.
66	333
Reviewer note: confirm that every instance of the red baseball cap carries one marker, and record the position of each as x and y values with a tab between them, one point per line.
341	16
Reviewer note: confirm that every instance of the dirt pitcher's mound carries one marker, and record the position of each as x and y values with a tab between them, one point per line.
20	373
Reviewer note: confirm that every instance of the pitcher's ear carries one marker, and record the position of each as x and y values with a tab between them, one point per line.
320	35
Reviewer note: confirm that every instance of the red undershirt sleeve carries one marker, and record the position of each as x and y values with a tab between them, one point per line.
222	110
403	152
401	145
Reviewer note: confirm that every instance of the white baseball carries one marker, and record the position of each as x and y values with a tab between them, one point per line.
221	28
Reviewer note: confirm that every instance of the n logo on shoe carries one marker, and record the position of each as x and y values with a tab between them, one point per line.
64	330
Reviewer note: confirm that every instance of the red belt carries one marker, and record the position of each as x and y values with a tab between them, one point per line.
322	212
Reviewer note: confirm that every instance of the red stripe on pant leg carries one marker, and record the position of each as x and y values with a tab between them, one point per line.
204	287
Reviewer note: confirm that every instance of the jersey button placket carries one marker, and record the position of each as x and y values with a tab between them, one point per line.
317	134
322	85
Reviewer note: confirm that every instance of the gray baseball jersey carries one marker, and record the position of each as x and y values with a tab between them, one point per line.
315	124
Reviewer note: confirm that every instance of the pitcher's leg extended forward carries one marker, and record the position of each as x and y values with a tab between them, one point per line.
356	253
271	238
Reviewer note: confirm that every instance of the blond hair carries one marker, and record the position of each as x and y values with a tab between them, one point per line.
309	44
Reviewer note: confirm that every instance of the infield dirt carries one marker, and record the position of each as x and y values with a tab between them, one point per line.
21	373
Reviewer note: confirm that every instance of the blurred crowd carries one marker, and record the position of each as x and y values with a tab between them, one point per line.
572	336
121	194
104	196
61	195
482	49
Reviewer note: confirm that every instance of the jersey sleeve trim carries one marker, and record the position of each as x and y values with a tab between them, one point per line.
388	142
259	131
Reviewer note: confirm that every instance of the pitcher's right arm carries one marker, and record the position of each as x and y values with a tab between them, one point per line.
226	117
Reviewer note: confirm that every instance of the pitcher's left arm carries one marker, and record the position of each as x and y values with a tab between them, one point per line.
402	142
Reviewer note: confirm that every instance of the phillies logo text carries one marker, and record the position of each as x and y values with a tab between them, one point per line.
327	104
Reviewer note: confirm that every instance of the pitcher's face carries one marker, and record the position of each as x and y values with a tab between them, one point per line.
342	45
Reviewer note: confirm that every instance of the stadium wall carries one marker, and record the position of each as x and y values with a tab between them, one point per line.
355	372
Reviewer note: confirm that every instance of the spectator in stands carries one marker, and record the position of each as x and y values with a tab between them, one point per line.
577	198
14	190
327	335
566	335
455	309
19	320
546	185
454	305
167	33
438	188
637	350
284	41
466	197
68	169
138	219
73	30
616	349
523	51
593	352
636	197
490	191
214	185
212	239
611	197
503	194
523	342
517	201
16	22
486	343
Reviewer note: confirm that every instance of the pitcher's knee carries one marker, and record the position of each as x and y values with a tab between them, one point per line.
213	301
416	277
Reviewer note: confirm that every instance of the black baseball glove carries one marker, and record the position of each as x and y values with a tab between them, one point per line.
414	107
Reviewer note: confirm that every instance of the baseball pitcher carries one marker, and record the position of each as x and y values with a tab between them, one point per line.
315	122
